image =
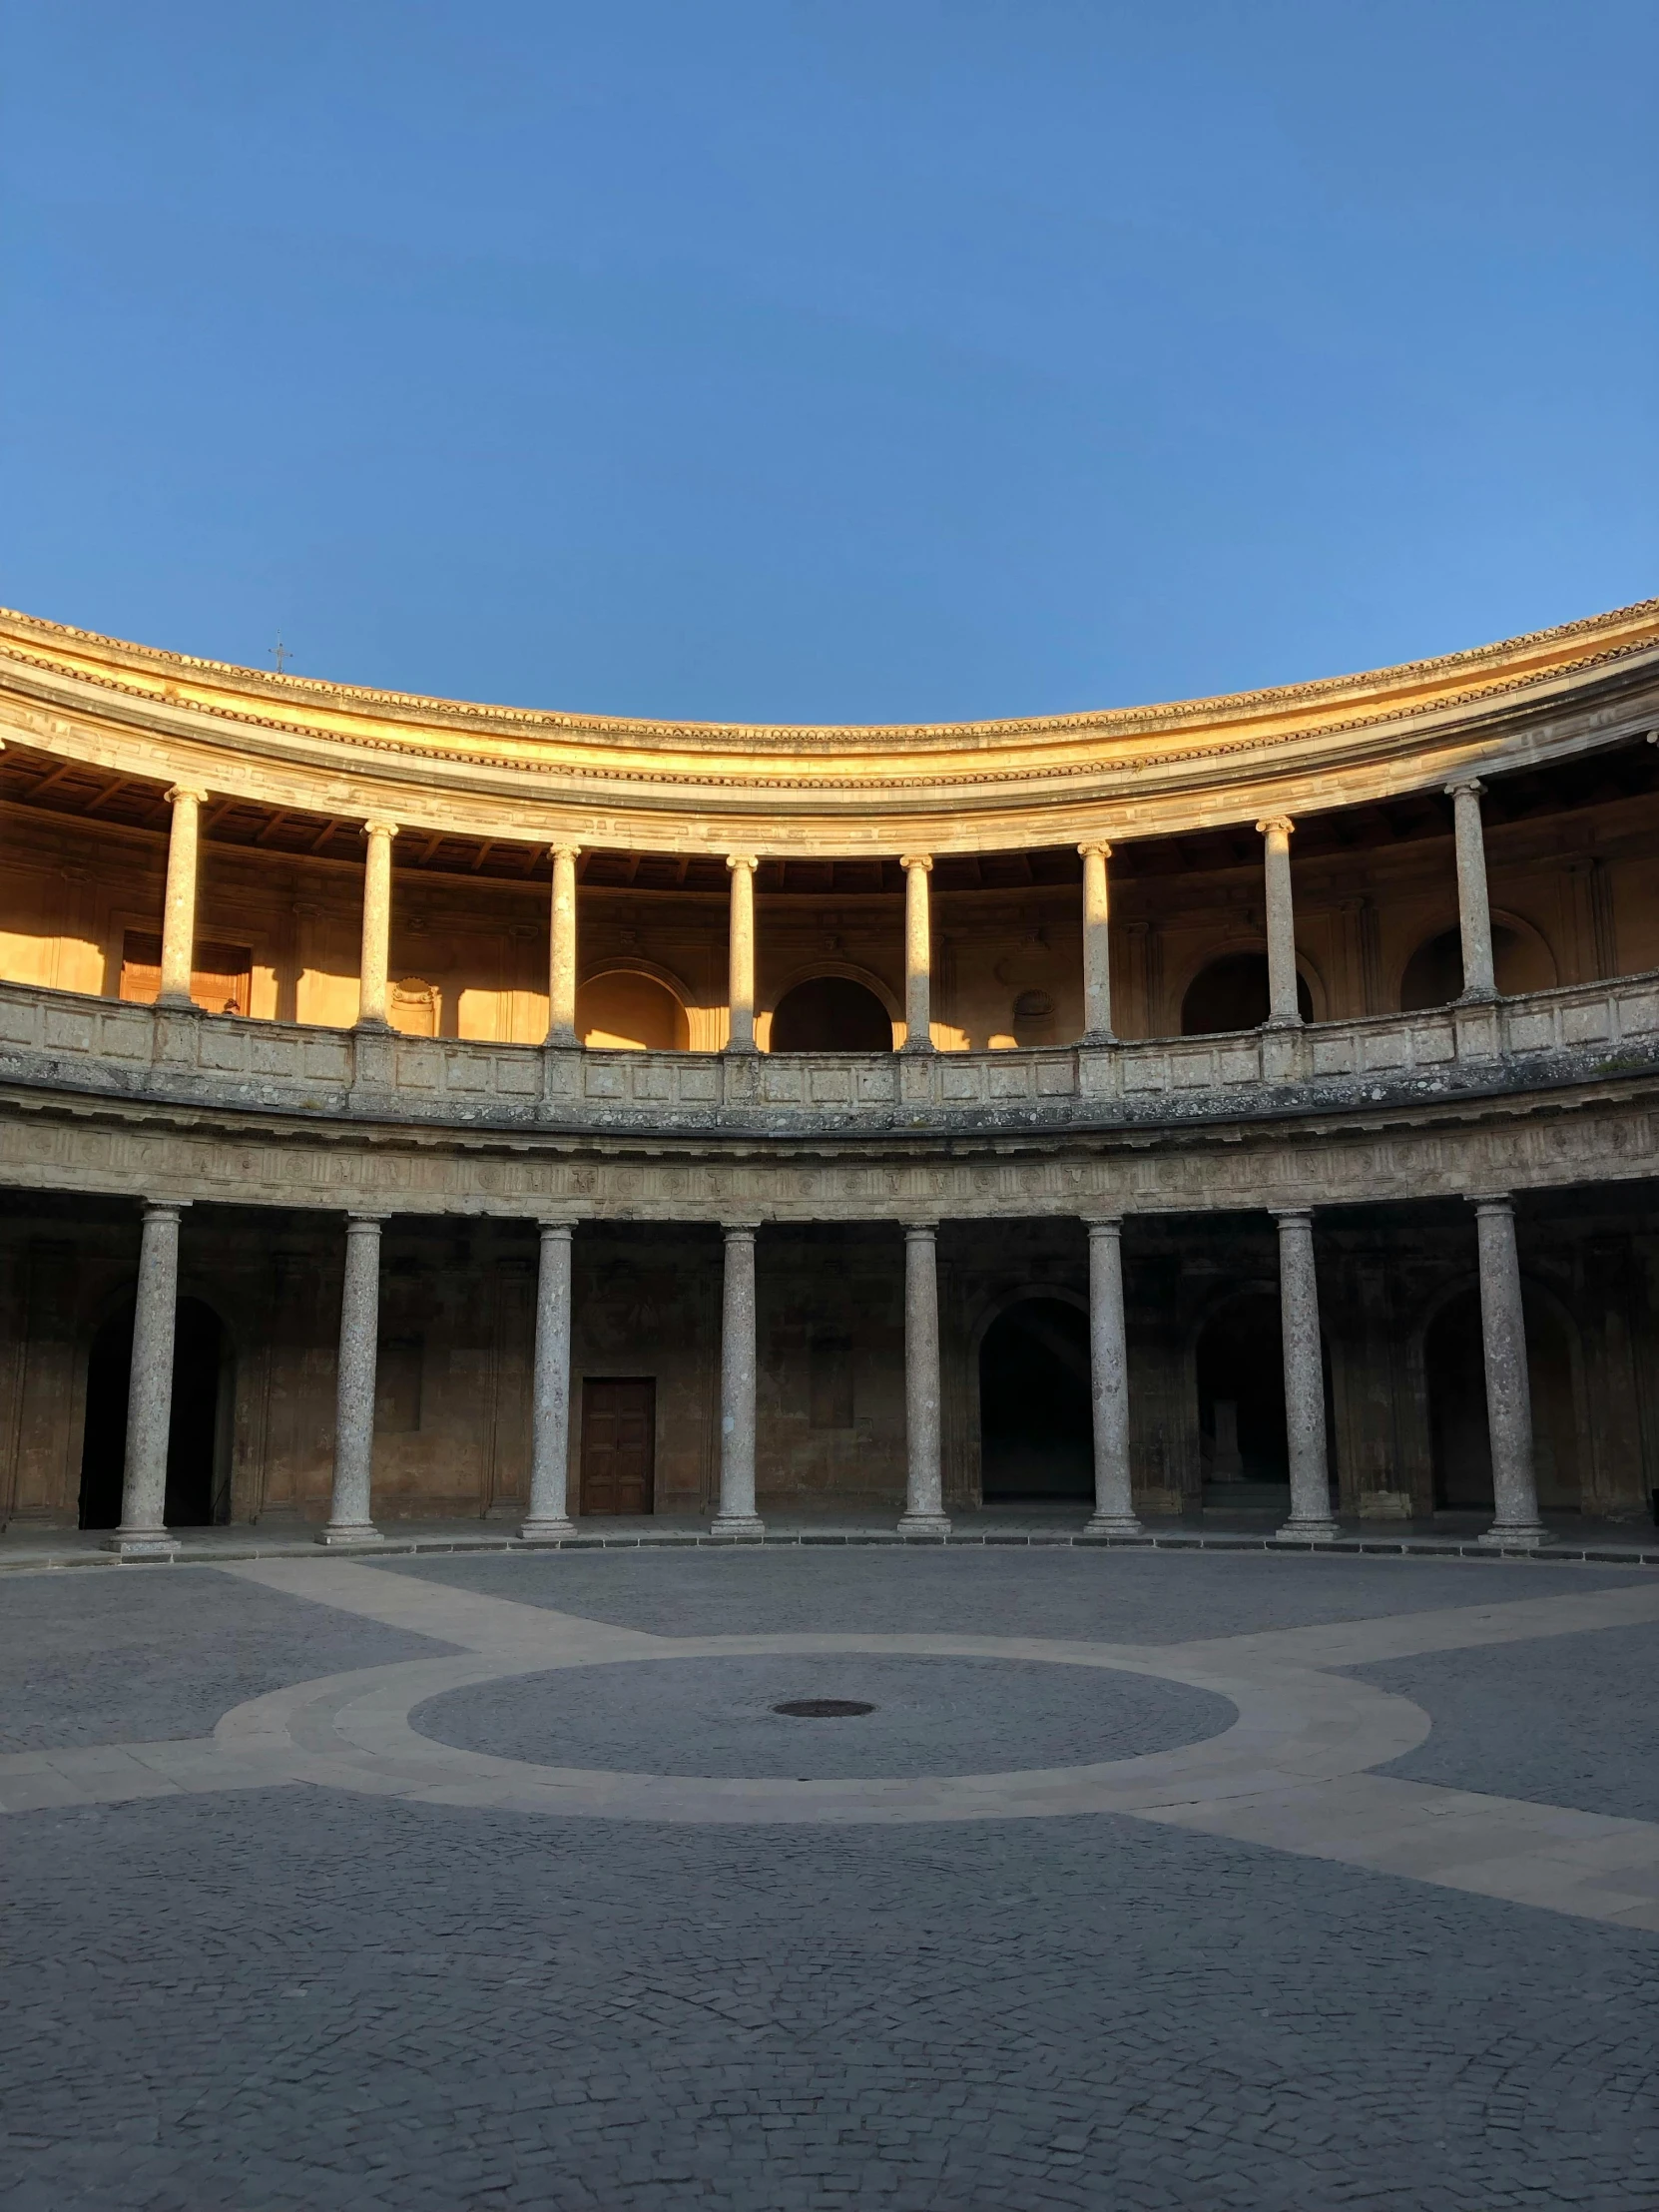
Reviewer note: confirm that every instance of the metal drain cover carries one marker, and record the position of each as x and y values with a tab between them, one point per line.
823	1708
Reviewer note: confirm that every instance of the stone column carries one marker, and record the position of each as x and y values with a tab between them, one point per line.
549	1515
143	1532
925	1514
919	954
1283	1010
561	964
1508	1385
377	953
1475	915
1299	1309
1097	968
1114	1504
178	909
739	991
349	1521
736	1516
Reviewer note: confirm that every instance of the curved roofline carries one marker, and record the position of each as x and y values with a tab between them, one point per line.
1546	644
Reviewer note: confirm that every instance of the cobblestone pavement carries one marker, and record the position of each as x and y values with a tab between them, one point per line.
316	1996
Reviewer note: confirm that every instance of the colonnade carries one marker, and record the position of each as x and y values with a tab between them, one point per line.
178	926
351	1521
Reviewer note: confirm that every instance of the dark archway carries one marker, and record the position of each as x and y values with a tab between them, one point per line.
830	1013
1239	1359
1232	993
1455	1374
1434	973
197	1485
1036	1428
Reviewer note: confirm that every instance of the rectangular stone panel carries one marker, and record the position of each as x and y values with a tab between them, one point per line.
417	1070
1531	1032
1591	1025
67	1029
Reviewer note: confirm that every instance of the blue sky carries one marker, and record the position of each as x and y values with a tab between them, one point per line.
862	359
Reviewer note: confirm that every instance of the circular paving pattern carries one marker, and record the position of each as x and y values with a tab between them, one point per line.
916	1715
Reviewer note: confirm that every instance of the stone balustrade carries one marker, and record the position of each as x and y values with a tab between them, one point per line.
58	1041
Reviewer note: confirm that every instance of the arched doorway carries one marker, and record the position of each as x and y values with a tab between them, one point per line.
626	1011
1232	993
1036	1428
830	1013
1243	1443
1434	973
1455	1373
198	1441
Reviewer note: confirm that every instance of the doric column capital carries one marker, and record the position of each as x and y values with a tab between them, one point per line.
916	1231
163	1209
359	1225
376	827
1271	824
1465	787
922	861
748	861
556	1228
1096	844
187	791
1490	1202
1104	1224
738	1231
1292	1216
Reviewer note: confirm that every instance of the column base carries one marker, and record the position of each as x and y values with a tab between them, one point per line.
1517	1539
141	1543
924	1524
1112	1524
750	1525
1306	1532
346	1534
546	1531
1098	1040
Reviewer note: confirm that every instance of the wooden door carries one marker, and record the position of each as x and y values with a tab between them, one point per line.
619	1445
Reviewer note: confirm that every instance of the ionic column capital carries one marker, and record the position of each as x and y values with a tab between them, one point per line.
1276	826
376	827
923	860
747	860
1097	845
185	791
1465	787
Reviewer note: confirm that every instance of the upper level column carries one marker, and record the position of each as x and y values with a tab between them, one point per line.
1474	914
739	991
178	909
377	953
918	953
1097	969
1283	1009
561	965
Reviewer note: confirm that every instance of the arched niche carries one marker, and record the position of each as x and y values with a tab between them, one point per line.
1432	974
1031	1355
632	1007
1230	992
1455	1383
1237	1361
830	997
199	1433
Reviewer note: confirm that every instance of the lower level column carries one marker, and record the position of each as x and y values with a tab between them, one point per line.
142	1532
736	1516
1114	1505
549	1515
1508	1385
360	1329
925	1514
1298	1306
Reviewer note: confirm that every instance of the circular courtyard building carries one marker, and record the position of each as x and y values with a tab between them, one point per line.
420	1111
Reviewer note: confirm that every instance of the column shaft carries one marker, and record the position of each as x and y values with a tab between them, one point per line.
919	954
349	1521
1509	1383
179	908
1475	915
377	953
739	991
549	1513
736	1516
143	1530
925	1512
561	964
1283	1009
1299	1308
1097	966
1114	1504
